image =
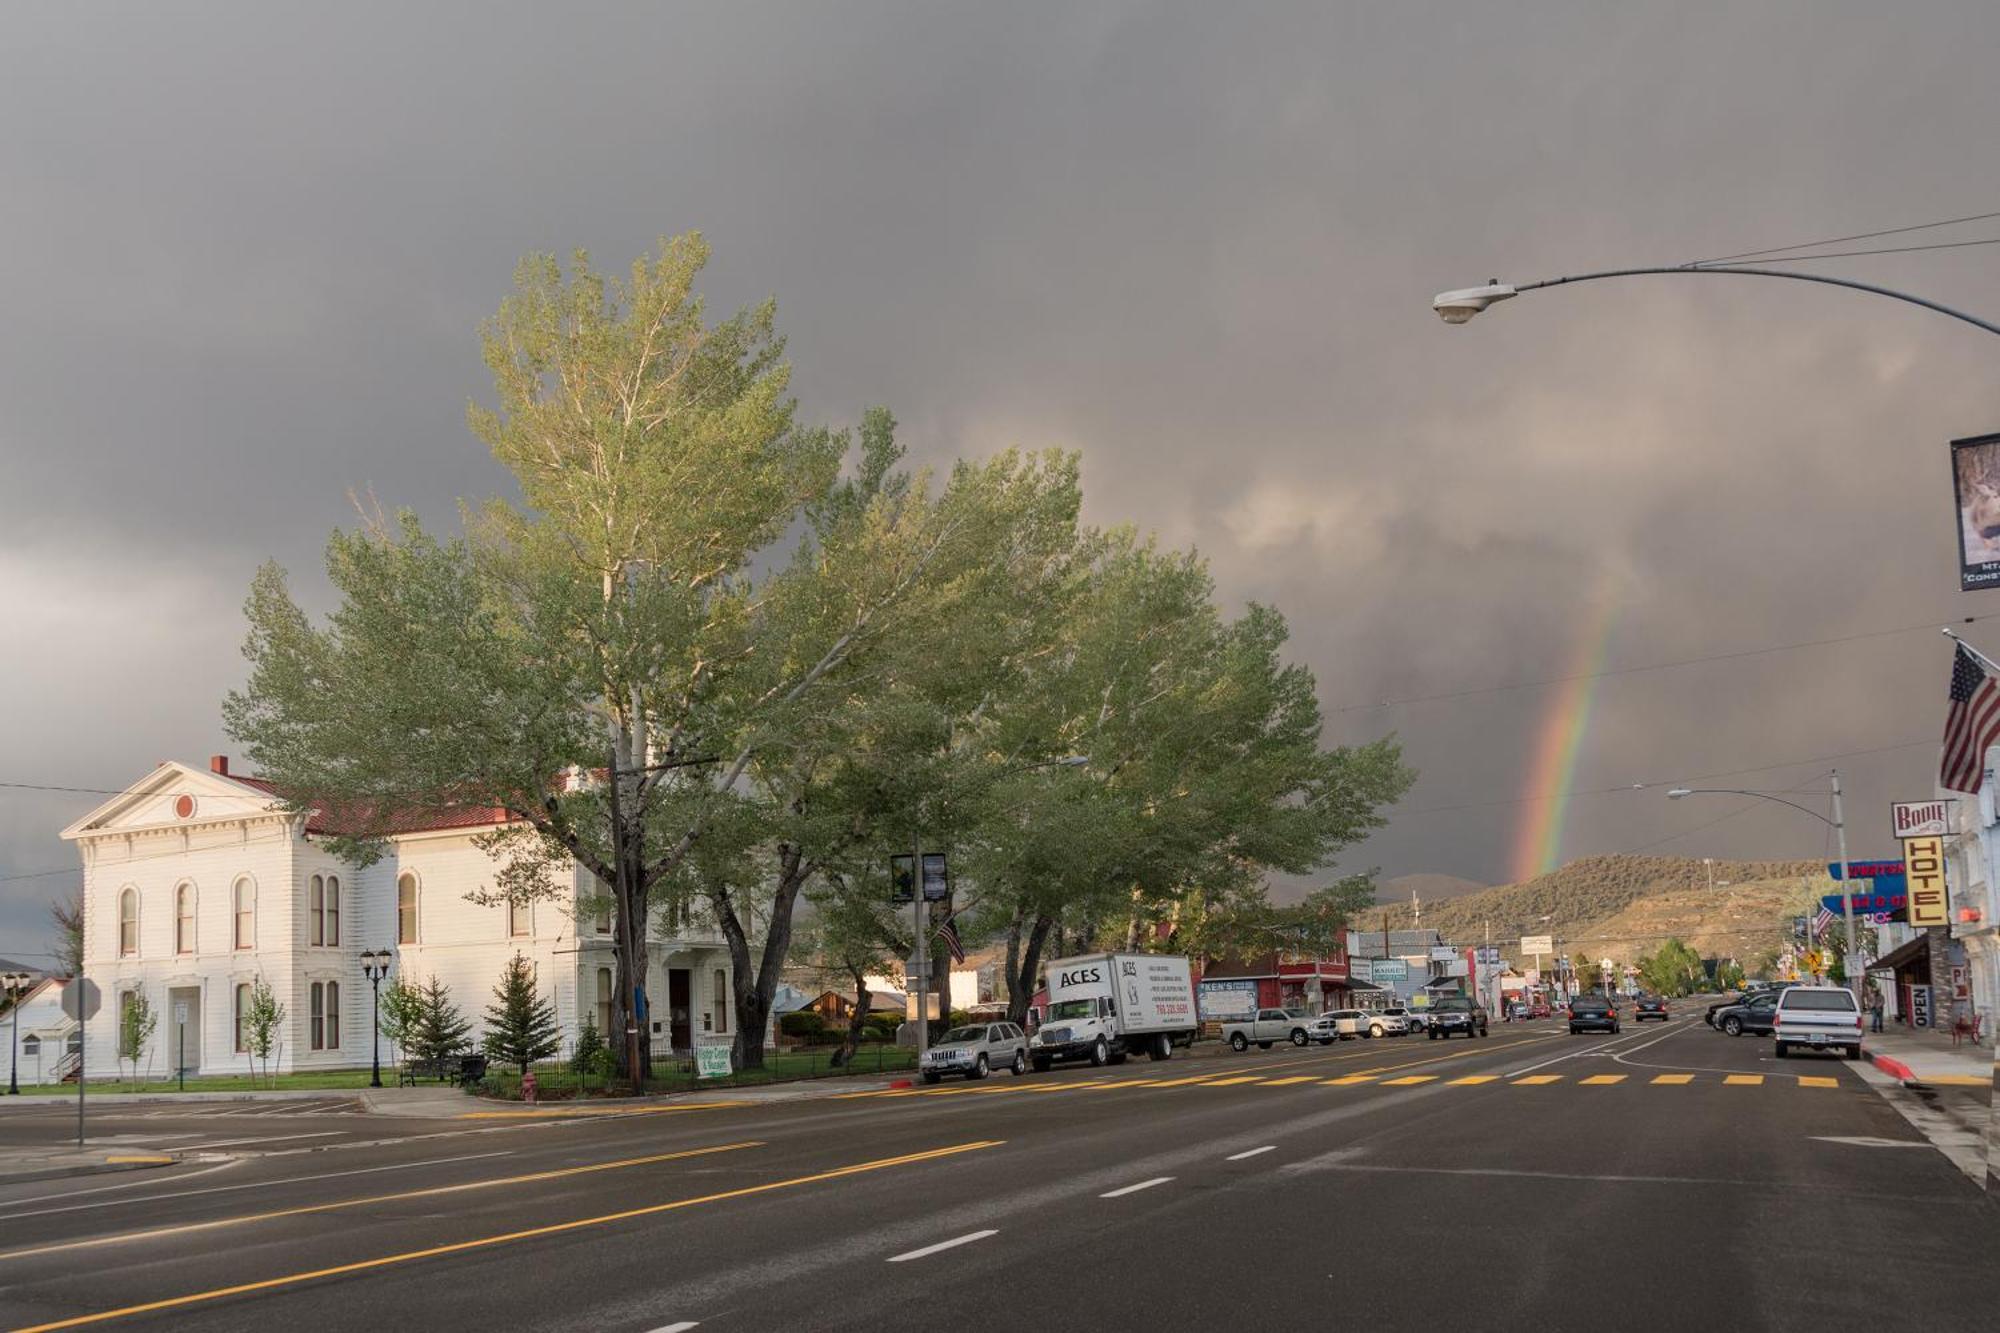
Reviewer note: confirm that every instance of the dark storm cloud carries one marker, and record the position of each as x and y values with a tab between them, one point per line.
244	254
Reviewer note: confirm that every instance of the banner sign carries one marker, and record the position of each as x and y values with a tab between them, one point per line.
1865	904
1888	875
1920	819
1920	1006
1975	475
1224	1000
937	885
1928	903
712	1060
1538	944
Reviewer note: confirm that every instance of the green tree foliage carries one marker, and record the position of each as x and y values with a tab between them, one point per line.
400	1009
520	1024
1672	969
263	1018
137	1021
66	915
437	1028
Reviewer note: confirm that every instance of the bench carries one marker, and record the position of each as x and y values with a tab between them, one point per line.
464	1070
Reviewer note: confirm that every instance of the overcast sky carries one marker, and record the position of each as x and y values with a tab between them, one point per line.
243	255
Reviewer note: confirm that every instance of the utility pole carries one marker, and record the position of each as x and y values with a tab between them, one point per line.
920	984
1851	961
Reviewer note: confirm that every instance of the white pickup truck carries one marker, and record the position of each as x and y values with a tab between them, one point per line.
1817	1017
1272	1026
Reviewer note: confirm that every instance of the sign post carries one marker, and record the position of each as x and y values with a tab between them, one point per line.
181	1043
80	1000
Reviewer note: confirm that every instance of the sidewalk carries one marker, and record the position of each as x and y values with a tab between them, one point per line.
1929	1059
1945	1092
20	1165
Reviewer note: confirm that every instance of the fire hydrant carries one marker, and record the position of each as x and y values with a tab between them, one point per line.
528	1086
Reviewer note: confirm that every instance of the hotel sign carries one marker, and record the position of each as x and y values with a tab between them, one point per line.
1920	819
1923	863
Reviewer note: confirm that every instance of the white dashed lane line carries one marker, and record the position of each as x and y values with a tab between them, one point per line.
951	1244
1134	1189
1237	1157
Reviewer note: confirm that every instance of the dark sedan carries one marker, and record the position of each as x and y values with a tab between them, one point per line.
1649	1006
1757	1015
1592	1013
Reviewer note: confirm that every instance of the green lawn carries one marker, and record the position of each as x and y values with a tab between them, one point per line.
325	1080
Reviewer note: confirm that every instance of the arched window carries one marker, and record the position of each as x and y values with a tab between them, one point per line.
406	909
316	910
242	1004
128	924
245	895
519	920
721	1000
333	1015
184	919
333	911
604	1002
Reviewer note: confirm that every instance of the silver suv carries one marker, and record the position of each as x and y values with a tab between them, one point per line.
977	1050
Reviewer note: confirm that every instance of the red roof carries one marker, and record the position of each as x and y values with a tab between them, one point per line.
364	821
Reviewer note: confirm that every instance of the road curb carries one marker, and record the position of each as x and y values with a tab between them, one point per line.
1893	1067
108	1164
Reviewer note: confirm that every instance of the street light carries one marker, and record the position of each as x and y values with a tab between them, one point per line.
1839	826
16	983
375	966
1459	306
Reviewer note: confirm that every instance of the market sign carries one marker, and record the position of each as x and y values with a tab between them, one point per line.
1920	819
1929	904
1390	970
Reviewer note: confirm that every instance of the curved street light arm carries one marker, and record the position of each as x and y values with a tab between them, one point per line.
1761	795
1973	320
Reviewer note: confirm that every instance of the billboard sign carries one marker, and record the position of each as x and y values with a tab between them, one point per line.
1975	475
1388	971
1538	944
1924	860
1920	819
902	880
1221	1001
937	884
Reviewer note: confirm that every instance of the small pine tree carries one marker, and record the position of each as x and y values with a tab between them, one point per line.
520	1026
589	1042
440	1030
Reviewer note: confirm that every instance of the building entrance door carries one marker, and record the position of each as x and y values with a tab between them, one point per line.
679	1009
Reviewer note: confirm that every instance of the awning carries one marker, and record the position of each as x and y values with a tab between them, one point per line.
1445	983
1916	950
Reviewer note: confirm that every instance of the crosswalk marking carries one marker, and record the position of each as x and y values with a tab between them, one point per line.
1471	1080
1602	1080
1348	1081
1408	1079
1537	1080
1815	1081
1674	1080
1287	1082
1744	1080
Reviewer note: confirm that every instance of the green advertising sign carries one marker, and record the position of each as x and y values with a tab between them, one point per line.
711	1061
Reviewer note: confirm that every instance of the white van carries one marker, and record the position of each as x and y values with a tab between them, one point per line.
1817	1017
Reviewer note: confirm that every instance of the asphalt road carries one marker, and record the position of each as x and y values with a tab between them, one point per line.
1669	1177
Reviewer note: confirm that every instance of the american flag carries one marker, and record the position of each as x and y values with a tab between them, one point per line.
1821	920
949	934
1970	727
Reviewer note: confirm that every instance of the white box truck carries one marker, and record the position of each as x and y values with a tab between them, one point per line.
1105	1006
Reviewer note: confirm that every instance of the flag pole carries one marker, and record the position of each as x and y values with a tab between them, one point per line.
1992	667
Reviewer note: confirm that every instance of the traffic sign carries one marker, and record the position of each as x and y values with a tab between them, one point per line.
81	998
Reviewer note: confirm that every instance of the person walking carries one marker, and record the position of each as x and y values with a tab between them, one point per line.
1875	1004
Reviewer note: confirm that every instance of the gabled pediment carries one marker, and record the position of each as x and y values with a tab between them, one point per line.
171	796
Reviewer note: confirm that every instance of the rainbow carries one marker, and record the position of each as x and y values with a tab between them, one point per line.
1559	738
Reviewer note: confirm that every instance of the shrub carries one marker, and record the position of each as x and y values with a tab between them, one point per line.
804	1024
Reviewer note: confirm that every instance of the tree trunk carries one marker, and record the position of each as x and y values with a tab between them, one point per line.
1014	953
1021	980
754	987
857	1022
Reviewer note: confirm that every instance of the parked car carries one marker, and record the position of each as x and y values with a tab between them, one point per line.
1593	1012
1350	1023
1457	1013
1388	1023
1817	1017
1649	1006
1271	1026
1418	1019
1540	1009
977	1050
1709	1014
1412	1020
1754	1015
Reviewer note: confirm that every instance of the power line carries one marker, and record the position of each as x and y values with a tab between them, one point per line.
1842	240
1653	666
1883	250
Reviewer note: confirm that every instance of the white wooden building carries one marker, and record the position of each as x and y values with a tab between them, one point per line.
197	883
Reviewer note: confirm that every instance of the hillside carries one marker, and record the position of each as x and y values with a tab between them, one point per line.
1428	888
1623	906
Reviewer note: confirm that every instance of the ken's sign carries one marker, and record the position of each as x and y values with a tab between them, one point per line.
1923	861
1921	819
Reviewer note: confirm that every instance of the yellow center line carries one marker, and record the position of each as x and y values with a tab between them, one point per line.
1348	1081
1473	1080
1288	1082
1408	1079
1537	1080
432	1191
1745	1080
573	1112
1674	1080
1815	1081
1183	1082
1602	1080
458	1247
150	1159
1232	1082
